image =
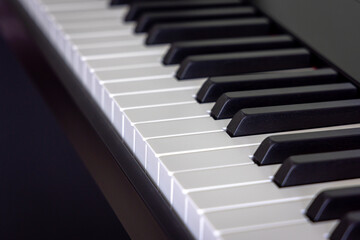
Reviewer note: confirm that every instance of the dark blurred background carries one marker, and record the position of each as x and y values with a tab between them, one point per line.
45	190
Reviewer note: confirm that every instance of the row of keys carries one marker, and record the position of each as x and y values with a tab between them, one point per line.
181	155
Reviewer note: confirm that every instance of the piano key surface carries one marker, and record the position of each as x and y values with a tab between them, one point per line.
208	177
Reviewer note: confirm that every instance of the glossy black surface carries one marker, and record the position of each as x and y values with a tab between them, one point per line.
231	102
202	30
212	89
318	168
138	8
275	149
147	20
349	228
334	204
180	50
242	62
250	121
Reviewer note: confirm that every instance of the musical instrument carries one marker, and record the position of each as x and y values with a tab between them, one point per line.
246	123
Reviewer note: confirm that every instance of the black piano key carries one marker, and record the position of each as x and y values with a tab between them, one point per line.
243	62
212	89
250	121
231	102
348	228
180	50
211	29
118	2
275	149
334	204
138	8
318	168
147	20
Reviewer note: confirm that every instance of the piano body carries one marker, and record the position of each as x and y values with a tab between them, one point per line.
232	119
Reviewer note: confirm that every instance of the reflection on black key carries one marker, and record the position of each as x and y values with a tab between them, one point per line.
318	167
349	228
139	8
251	121
230	103
245	62
275	149
211	90
334	204
180	50
147	20
174	32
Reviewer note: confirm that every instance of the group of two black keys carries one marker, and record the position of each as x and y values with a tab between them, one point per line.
317	157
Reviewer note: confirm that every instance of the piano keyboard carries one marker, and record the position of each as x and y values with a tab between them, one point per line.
205	167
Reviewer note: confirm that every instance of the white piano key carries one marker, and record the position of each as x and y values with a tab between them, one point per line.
234	221
63	1
90	73
202	179
218	140
145	131
101	33
132	87
218	178
206	141
180	127
207	159
96	41
92	15
138	64
169	165
139	54
101	23
117	62
176	96
185	144
120	43
156	85
155	99
107	64
92	67
163	113
127	75
96	32
291	231
123	63
200	202
121	103
132	50
81	15
75	6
